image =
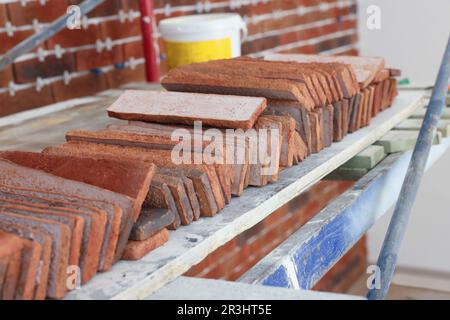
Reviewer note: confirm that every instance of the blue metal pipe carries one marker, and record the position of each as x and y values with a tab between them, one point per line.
397	227
41	36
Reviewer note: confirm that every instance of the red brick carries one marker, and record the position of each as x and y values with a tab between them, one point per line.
119	30
90	59
79	87
3	15
346	271
276	215
212	258
22	15
73	38
133	50
119	77
29	70
351	52
136	250
9	42
217	272
108	8
6	76
128	5
24	100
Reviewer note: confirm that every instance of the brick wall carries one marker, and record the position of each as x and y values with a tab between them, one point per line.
103	54
69	65
233	259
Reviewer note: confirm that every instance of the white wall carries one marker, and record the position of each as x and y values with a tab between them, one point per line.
412	37
427	241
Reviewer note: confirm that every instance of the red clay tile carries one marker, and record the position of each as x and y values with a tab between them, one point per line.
136	250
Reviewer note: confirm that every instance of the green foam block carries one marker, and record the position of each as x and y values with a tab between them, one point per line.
402	140
366	159
347	174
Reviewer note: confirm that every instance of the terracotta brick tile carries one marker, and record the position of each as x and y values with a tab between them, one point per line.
90	59
29	70
106	174
21	15
136	250
79	87
24	100
151	221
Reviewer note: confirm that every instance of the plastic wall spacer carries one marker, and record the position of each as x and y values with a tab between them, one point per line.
132	63
132	15
199	7
9	29
324	6
36	25
58	51
167	10
66	77
207	6
108	44
41	54
122	16
23	3
99	46
85	22
12	88
42	2
40	83
301	11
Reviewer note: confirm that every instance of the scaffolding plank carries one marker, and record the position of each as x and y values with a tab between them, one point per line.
301	260
191	244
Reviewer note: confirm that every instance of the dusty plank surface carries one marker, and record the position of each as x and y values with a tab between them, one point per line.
209	289
39	128
191	244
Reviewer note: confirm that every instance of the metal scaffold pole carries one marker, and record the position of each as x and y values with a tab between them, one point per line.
389	252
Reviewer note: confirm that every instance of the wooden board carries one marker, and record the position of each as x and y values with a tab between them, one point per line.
191	244
207	289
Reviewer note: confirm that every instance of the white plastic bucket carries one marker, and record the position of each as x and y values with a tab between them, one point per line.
202	37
